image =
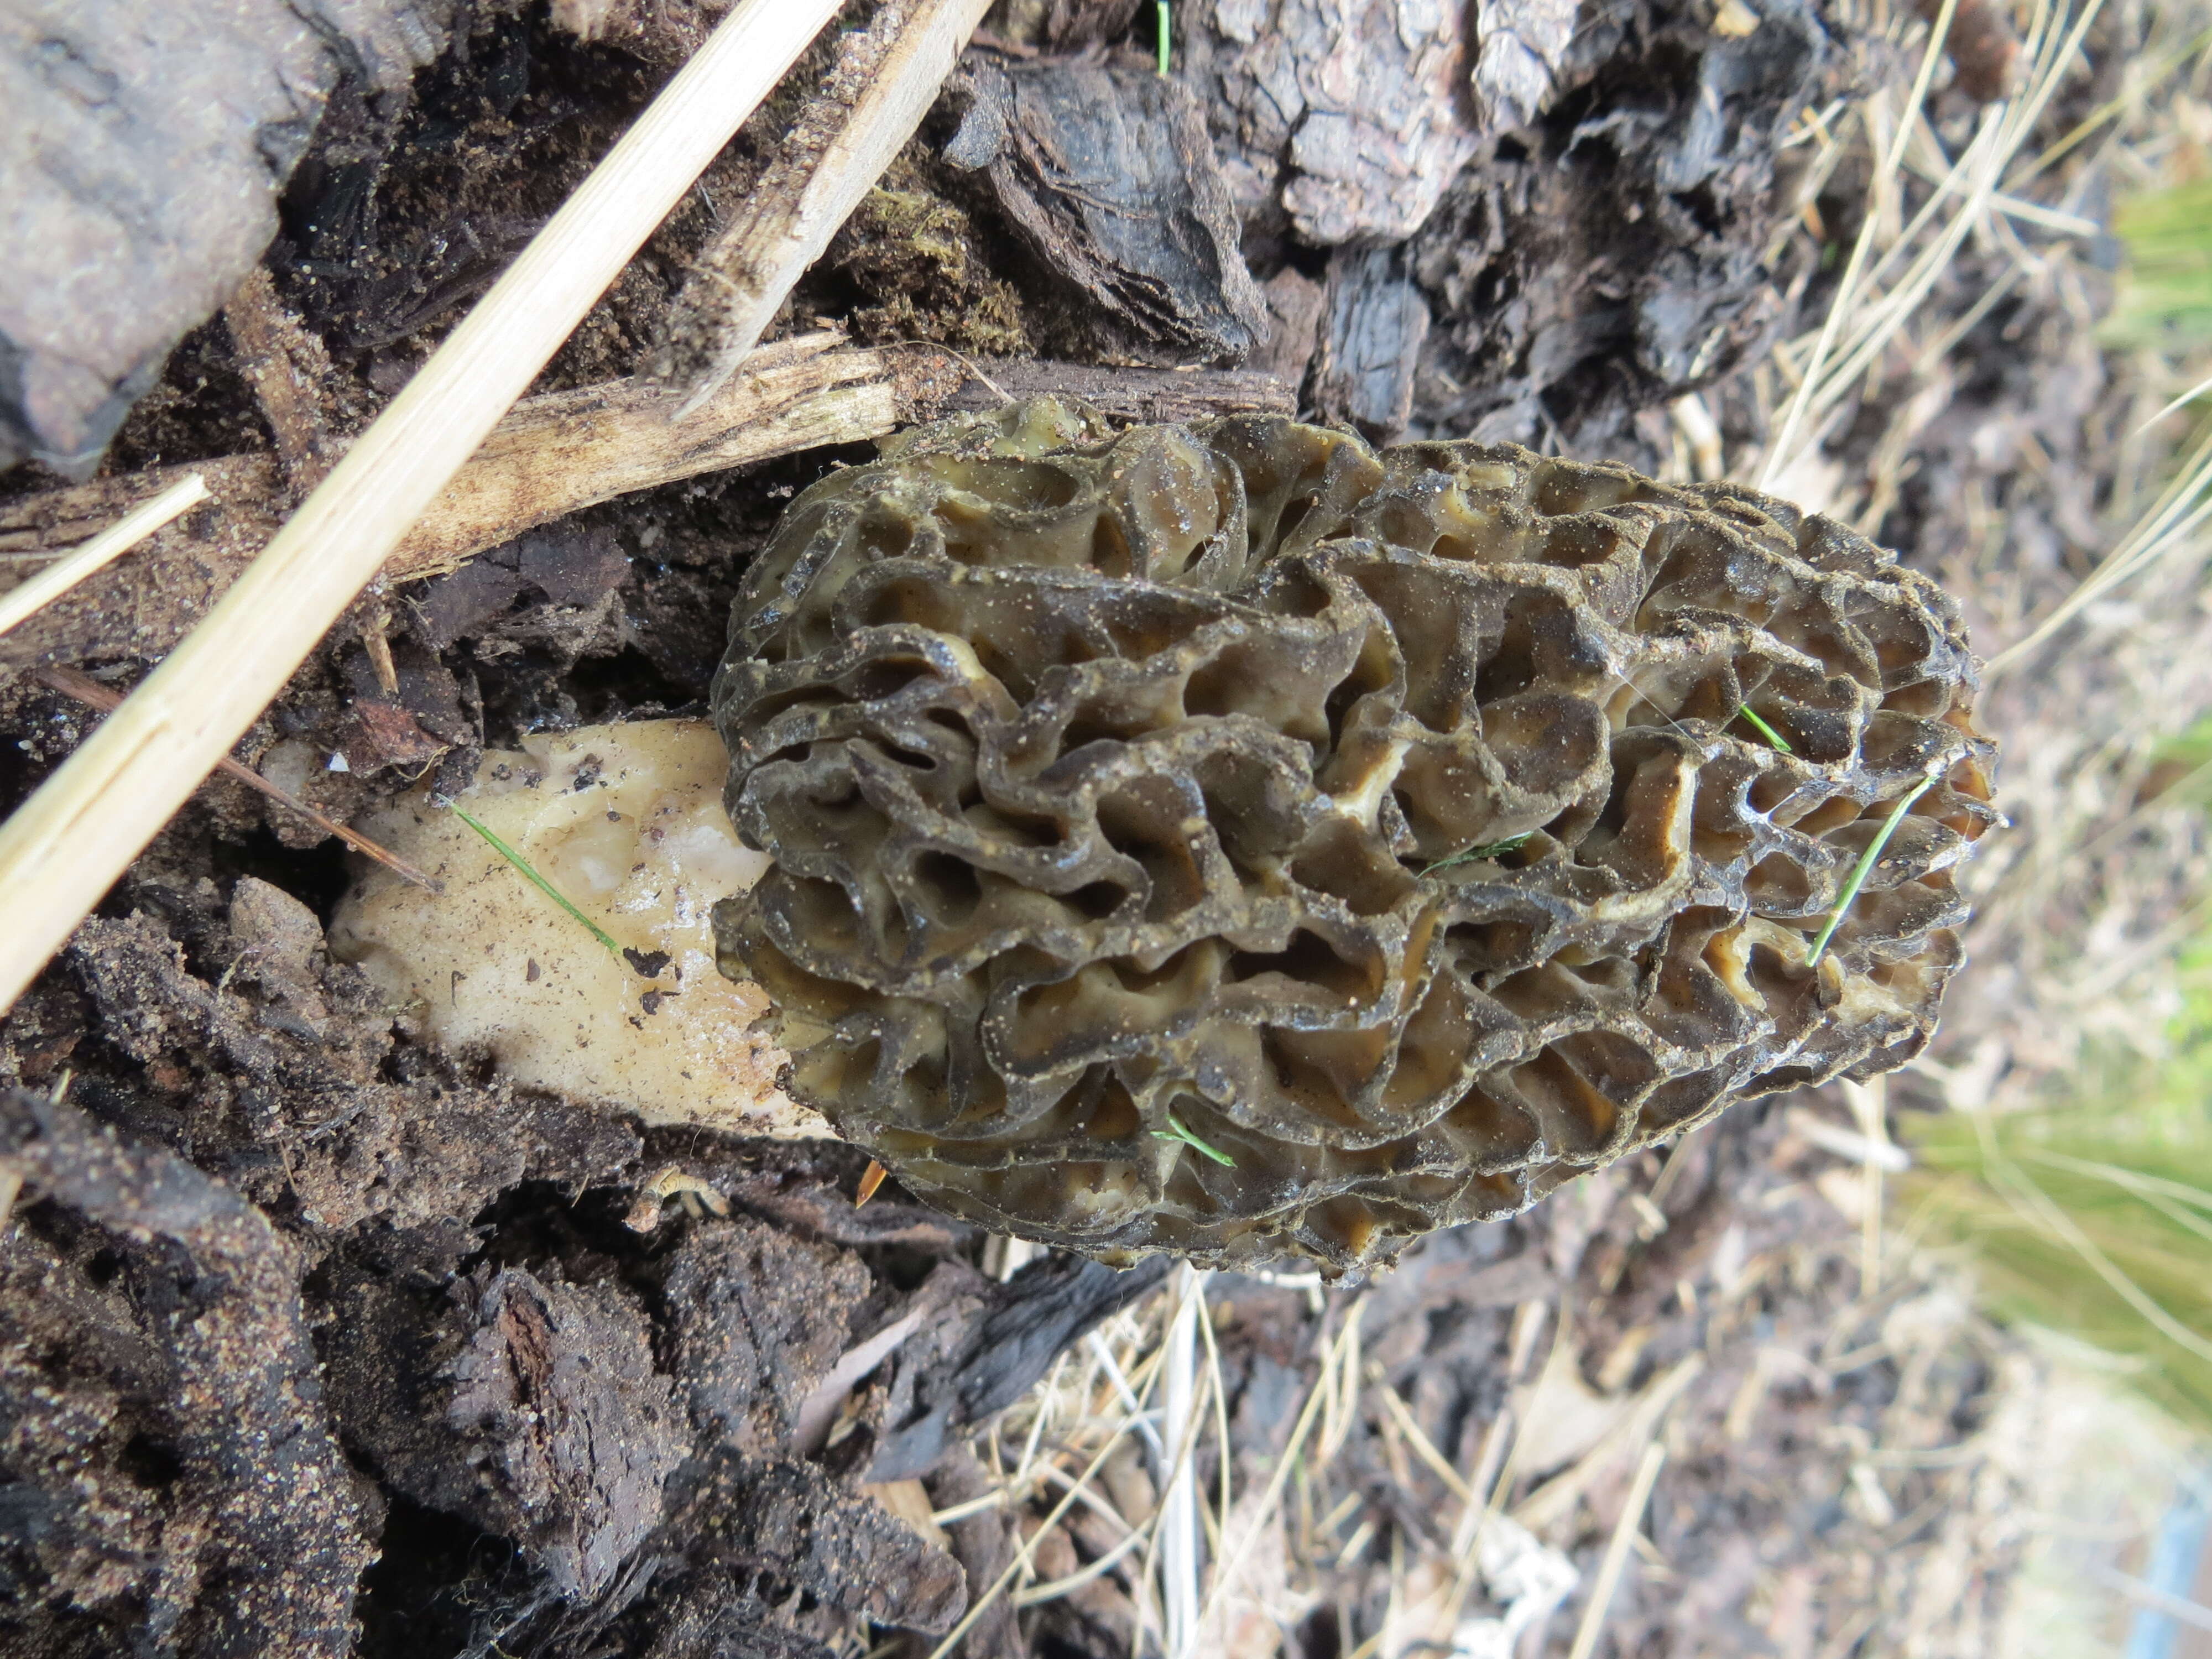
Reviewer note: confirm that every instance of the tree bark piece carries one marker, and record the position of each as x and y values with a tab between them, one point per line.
1357	113
1376	323
1142	395
886	79
1109	175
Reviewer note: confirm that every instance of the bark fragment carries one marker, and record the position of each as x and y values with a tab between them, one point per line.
793	1520
1348	117
1376	322
1110	176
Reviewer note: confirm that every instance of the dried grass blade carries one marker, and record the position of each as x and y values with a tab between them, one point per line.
886	77
1233	1553
1616	1553
28	599
983	1604
1846	290
1180	1423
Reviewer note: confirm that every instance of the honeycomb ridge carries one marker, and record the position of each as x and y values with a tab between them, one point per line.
1236	841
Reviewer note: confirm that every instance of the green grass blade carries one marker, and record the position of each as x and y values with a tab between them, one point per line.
2103	1242
1492	850
1764	730
1178	1130
537	881
1863	868
1166	40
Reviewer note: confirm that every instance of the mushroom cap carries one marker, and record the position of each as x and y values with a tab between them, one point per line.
1233	840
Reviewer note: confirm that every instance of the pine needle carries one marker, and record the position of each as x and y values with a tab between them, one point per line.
91	693
537	881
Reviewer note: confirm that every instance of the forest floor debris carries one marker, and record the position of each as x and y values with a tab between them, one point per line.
593	1387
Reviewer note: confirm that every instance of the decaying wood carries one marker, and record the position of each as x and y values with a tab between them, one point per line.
1026	28
1154	395
1375	323
886	79
287	366
555	455
1523	44
1349	118
66	846
1298	308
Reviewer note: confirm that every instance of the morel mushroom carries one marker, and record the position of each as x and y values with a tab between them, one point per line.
1236	841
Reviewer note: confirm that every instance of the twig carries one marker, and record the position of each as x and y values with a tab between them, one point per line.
57	579
93	694
67	845
1136	394
1616	1553
1475	1514
1869	1105
1554	1500
2180	508
1424	1448
886	77
280	359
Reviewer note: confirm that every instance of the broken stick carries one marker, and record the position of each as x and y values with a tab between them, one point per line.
93	695
28	599
885	78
